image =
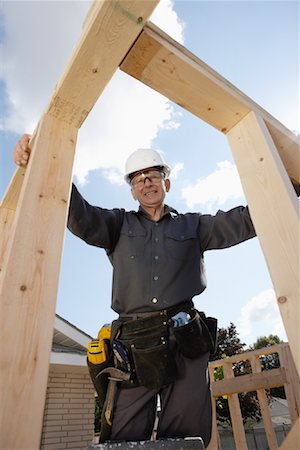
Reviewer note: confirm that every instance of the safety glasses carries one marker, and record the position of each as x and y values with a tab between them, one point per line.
154	176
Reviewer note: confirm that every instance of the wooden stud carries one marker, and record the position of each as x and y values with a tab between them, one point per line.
264	406
169	68
7	210
214	441
292	384
28	284
235	412
275	212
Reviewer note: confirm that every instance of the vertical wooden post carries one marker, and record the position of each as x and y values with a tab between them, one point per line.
213	445
292	385
264	407
28	284
8	209
275	213
235	413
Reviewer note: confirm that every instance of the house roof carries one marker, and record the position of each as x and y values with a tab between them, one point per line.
69	343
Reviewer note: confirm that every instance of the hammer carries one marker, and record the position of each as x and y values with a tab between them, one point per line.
115	375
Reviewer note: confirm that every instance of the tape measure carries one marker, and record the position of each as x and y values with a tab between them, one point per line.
97	352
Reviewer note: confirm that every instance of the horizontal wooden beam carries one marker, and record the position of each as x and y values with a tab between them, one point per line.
247	383
109	30
169	68
249	355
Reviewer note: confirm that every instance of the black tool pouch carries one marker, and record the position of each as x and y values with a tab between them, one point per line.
100	382
155	365
152	361
195	338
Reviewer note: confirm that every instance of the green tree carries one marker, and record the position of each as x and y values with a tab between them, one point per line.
271	361
229	344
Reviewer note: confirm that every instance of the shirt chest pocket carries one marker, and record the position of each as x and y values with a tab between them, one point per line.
180	245
132	242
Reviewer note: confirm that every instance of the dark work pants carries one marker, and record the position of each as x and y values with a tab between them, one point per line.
185	405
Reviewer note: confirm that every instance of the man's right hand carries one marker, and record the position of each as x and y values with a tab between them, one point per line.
22	151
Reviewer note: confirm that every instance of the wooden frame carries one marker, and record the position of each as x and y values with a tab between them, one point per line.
36	209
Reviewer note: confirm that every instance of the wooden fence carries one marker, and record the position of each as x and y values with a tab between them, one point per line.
286	375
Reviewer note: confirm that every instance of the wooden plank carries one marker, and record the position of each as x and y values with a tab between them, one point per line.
275	212
11	196
110	29
264	406
250	382
292	441
7	210
28	284
292	384
166	66
249	354
214	441
235	413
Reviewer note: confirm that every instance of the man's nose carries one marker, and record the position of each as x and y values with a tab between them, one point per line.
147	179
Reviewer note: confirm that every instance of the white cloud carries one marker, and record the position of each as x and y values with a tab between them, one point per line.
128	115
214	190
175	171
34	53
166	18
261	310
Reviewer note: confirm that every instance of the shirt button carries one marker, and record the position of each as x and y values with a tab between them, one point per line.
156	239
156	224
155	278
154	300
156	257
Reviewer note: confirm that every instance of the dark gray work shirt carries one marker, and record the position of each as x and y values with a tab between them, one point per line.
156	264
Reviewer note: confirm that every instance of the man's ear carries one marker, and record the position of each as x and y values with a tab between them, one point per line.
133	194
168	184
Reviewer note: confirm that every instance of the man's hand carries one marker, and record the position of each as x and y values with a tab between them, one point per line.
22	151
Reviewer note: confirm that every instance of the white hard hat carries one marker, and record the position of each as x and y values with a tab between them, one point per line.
144	158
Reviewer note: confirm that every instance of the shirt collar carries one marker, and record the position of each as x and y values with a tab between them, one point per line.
168	210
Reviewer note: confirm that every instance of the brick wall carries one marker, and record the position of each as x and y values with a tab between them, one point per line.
69	410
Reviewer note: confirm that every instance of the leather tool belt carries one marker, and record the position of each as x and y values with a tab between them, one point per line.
146	339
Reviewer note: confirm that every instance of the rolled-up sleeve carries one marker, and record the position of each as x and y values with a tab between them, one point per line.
96	226
225	229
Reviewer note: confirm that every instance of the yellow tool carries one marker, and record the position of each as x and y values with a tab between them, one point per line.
98	348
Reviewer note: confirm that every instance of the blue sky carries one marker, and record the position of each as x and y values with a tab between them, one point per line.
254	44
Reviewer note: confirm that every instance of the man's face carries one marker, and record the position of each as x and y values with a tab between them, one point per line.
149	187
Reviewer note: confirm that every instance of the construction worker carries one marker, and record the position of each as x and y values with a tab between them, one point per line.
158	267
